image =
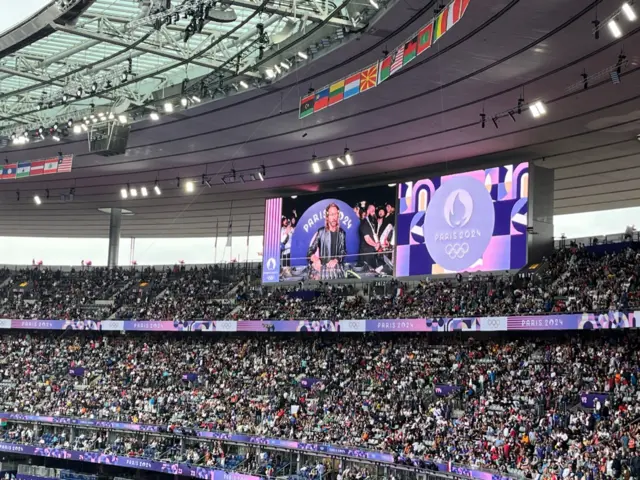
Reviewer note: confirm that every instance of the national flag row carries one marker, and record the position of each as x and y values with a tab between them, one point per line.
346	88
377	73
60	164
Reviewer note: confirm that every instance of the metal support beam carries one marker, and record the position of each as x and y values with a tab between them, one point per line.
122	43
302	13
115	225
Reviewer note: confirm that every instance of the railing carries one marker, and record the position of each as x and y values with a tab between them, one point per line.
122	461
572	321
563	242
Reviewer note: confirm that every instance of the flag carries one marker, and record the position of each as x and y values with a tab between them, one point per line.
23	170
50	166
454	13
397	61
441	24
424	38
336	92
410	50
9	171
321	100
369	77
463	7
352	85
37	168
65	163
306	106
385	69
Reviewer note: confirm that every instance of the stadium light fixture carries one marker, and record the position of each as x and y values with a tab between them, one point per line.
77	129
184	102
196	99
154	116
36	199
614	28
124	193
538	109
348	157
330	163
340	161
316	167
303	55
156	188
244	84
189	187
285	65
132	191
55	138
168	107
374	4
144	192
270	73
629	12
122	119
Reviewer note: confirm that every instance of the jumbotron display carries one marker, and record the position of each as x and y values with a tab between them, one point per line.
347	234
466	222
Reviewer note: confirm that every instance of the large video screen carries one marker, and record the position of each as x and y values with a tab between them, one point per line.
467	222
345	234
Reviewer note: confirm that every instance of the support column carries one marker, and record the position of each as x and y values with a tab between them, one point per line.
115	222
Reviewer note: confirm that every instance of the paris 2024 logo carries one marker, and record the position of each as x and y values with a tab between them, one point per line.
459	223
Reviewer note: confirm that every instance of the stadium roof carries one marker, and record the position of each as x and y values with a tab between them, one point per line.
126	53
423	120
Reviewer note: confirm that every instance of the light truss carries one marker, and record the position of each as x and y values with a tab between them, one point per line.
38	83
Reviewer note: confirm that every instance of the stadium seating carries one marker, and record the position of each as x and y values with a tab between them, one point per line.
518	407
574	280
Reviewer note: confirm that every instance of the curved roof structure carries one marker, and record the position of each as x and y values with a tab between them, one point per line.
425	119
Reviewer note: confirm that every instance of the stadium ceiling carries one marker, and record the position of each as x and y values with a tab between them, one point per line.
424	120
75	57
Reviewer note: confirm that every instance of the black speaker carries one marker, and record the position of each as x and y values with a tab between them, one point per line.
109	140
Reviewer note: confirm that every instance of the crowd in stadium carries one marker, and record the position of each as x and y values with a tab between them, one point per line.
166	449
573	280
517	409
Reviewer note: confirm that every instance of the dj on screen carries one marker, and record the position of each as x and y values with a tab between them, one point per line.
328	247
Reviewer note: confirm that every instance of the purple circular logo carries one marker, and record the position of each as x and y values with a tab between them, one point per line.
459	223
313	219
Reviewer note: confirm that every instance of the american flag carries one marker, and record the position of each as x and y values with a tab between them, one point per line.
65	163
397	61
